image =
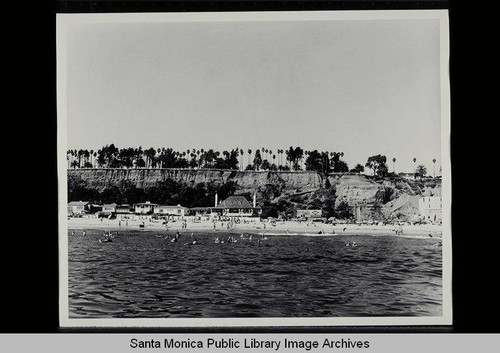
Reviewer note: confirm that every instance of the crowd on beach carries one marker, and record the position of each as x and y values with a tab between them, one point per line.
255	225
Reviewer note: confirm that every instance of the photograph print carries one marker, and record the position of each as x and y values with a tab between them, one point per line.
254	169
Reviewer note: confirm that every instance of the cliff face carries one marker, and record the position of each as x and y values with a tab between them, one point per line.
378	199
287	182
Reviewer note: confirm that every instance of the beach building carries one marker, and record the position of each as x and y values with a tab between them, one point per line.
78	207
309	214
200	211
144	207
124	209
430	208
408	176
109	208
164	210
236	206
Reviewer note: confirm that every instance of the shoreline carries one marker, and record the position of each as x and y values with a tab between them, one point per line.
291	228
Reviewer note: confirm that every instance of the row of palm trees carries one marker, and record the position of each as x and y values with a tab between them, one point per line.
292	158
110	156
421	169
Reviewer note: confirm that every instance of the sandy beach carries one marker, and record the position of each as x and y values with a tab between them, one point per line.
254	226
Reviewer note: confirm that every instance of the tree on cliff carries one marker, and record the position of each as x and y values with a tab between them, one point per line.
378	164
150	154
339	166
294	156
257	161
358	168
315	161
421	171
126	157
108	156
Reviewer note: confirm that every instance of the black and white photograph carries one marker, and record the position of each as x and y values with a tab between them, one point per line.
254	169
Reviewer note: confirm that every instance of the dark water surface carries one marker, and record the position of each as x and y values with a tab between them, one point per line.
143	276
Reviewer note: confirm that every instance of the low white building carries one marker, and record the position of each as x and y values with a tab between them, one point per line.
144	207
309	214
109	208
78	207
163	210
430	208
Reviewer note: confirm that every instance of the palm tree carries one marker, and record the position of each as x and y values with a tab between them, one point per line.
394	165
434	167
80	155
249	155
86	156
241	159
414	168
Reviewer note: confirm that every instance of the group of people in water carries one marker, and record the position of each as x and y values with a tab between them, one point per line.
108	237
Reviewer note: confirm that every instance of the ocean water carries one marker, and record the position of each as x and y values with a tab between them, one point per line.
140	275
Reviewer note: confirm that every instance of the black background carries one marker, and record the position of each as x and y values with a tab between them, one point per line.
29	246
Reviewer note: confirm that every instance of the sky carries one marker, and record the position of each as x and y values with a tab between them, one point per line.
362	87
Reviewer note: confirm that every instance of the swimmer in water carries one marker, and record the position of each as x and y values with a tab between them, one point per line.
348	243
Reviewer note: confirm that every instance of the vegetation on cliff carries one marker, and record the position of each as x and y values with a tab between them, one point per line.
278	193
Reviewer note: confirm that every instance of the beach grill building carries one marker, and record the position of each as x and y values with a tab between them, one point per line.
144	207
430	208
164	210
236	206
78	207
109	208
124	209
200	211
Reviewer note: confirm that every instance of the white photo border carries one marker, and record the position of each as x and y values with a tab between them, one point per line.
65	23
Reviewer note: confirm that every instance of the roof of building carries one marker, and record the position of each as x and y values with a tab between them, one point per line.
169	206
235	202
147	203
109	205
78	203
